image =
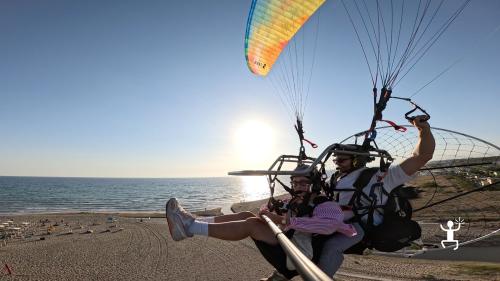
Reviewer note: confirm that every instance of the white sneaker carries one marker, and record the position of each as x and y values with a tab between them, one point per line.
178	220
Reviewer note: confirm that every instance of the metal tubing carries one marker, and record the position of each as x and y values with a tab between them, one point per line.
313	162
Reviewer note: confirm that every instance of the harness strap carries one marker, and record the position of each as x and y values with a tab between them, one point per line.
288	189
331	187
362	181
313	145
395	126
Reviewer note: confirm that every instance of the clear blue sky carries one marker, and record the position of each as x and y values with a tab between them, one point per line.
161	88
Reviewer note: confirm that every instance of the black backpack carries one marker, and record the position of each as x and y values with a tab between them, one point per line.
397	229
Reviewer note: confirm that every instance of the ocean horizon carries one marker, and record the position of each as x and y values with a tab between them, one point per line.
31	195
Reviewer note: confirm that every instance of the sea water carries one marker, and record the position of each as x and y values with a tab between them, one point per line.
50	194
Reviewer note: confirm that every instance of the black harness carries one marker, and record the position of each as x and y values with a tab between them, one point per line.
397	229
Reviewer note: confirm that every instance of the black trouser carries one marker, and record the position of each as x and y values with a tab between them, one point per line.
276	256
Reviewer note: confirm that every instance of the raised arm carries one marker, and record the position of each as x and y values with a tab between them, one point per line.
423	151
443	227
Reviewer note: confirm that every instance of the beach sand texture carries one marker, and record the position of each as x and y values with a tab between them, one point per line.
131	249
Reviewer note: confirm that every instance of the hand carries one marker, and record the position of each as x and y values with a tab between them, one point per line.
420	122
272	216
263	212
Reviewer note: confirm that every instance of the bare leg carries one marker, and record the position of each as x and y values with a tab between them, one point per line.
252	227
234	217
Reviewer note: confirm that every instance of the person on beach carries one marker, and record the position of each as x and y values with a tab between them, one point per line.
349	168
301	227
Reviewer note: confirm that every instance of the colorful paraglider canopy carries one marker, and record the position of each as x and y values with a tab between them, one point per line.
271	24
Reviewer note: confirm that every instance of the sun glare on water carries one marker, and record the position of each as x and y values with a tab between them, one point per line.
254	188
254	141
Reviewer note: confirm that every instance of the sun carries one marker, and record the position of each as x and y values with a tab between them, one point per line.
254	143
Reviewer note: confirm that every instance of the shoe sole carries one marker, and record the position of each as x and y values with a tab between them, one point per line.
173	231
169	222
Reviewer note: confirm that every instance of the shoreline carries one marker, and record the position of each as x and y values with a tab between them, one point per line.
128	214
222	209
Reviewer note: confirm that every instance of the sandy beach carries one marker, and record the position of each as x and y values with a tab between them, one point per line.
97	246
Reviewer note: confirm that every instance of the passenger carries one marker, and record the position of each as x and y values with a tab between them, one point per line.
310	214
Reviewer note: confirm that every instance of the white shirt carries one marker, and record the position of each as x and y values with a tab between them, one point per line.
395	177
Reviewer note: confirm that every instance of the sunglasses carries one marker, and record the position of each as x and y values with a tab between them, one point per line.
301	182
